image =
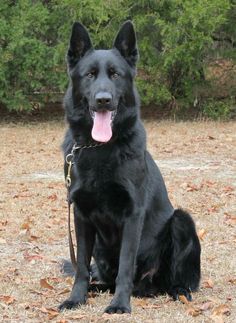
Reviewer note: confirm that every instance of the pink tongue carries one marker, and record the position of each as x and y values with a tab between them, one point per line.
102	126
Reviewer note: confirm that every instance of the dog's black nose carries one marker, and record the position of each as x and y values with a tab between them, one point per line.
103	99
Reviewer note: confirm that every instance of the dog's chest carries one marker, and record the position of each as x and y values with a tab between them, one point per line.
98	194
108	199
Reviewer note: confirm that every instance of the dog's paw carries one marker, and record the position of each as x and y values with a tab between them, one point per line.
117	309
69	304
178	291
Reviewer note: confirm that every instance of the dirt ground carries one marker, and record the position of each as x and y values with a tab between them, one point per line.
198	163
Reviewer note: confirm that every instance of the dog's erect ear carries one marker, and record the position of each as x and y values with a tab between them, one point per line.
125	42
80	43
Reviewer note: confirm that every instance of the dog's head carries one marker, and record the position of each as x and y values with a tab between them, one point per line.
102	80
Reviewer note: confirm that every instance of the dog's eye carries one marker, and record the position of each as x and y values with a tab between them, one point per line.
114	75
91	74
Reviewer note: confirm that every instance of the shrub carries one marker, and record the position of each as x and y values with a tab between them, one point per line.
174	40
218	109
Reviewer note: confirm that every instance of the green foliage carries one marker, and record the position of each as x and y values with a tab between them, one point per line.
218	109
174	37
26	57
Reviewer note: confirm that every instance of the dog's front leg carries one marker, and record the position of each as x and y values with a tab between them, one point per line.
85	236
127	260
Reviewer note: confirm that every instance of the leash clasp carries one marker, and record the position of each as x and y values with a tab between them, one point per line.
68	177
69	161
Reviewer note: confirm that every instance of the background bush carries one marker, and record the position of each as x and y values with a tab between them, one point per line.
177	42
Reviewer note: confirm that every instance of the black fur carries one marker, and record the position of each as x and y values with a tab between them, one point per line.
123	217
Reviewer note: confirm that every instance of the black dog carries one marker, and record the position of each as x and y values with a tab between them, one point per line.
123	217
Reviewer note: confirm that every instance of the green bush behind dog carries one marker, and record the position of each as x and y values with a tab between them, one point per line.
176	41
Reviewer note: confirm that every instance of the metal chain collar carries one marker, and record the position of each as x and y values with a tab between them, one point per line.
70	159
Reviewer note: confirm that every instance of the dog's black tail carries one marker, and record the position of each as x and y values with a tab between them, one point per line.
186	251
179	269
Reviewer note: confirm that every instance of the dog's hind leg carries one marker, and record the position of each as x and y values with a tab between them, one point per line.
67	268
185	256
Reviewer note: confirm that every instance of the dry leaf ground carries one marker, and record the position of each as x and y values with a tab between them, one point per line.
198	163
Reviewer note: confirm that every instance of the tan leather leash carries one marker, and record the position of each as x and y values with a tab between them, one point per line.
70	162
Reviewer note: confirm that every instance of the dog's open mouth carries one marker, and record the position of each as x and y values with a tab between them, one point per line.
102	124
